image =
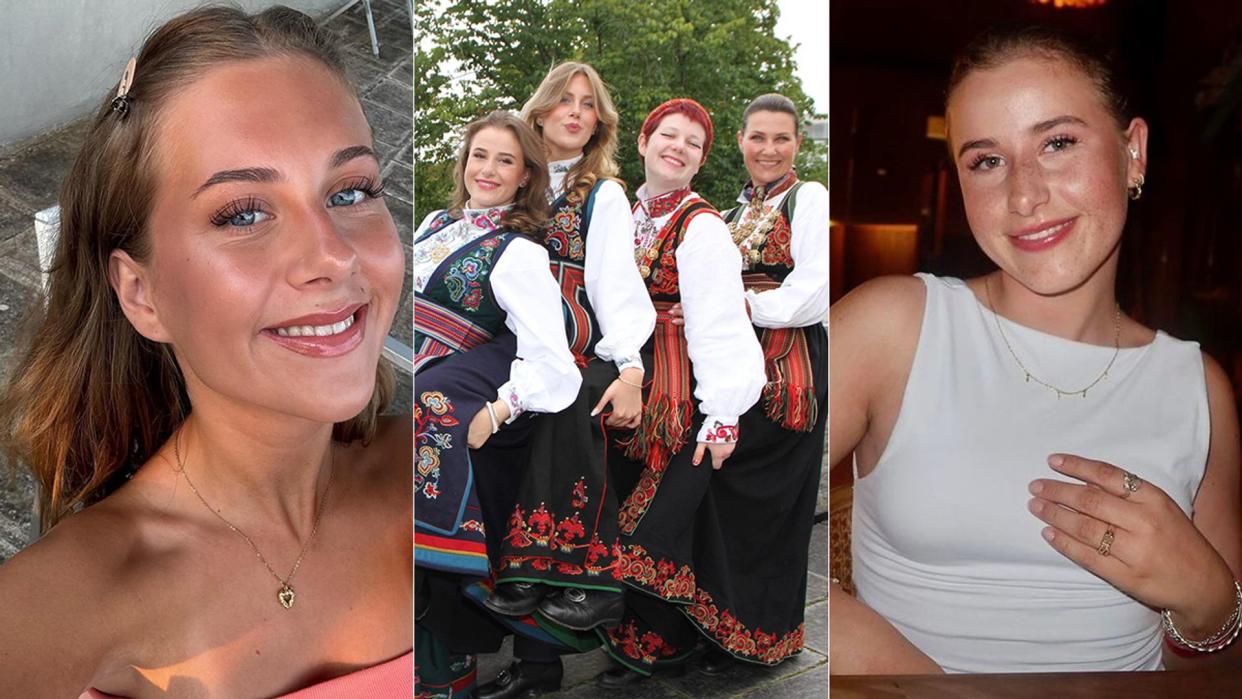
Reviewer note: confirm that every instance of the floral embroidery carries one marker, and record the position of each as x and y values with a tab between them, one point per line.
734	636
515	405
675	584
463	279
776	247
720	433
432	414
563	236
646	648
540	529
660	577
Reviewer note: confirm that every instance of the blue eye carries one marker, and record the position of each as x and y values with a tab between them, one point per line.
347	197
240	214
356	191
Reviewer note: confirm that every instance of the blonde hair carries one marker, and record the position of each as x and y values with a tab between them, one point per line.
91	399
600	152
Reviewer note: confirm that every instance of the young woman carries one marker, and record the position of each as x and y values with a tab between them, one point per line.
199	401
489	346
1042	482
684	254
560	545
766	497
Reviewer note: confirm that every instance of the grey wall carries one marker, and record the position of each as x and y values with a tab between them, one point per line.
58	57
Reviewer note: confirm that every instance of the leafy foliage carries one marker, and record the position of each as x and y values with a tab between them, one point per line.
474	56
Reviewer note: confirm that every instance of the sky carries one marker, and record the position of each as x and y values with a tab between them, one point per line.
805	24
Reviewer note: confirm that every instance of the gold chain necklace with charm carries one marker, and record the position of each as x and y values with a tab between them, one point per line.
285	594
1031	377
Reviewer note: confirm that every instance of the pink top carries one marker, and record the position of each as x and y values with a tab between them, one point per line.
393	678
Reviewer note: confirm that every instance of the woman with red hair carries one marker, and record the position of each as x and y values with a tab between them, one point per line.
703	376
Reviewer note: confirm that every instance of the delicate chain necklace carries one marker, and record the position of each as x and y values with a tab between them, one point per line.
285	594
1031	377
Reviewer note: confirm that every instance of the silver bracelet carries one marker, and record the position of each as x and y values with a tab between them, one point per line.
1217	641
491	412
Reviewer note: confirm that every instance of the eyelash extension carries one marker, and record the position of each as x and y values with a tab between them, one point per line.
233	208
1065	138
367	186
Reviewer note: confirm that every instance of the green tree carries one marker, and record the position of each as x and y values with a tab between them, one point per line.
722	53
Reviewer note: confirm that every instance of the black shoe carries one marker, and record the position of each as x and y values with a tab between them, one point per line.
716	662
515	599
583	610
523	679
620	677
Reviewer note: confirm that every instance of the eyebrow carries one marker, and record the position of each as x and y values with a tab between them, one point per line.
481	149
267	174
1039	127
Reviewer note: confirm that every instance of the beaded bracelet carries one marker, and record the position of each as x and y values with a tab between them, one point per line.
1216	641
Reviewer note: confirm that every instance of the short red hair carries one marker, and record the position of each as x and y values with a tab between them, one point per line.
686	107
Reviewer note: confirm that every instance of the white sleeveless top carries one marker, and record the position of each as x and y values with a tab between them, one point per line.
944	546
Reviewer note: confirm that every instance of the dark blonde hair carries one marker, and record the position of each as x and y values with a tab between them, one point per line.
92	399
1000	45
599	155
530	207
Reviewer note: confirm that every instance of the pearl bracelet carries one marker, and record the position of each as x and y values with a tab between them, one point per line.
1216	641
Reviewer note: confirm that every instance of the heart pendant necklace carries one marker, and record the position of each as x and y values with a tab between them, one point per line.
285	595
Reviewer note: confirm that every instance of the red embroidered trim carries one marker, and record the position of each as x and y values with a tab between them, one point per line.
664	204
737	638
658	577
647	648
541	529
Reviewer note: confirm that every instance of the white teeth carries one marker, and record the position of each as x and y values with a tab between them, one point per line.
1046	233
316	330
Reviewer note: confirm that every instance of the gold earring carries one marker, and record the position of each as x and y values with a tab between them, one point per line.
1136	189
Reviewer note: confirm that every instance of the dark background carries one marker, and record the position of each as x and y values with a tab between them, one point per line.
896	204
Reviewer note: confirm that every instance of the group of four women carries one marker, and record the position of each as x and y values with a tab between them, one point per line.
666	333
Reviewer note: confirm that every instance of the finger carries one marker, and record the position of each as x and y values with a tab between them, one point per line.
675	310
718	460
1087	530
1103	474
698	453
603	400
1086	556
1090	500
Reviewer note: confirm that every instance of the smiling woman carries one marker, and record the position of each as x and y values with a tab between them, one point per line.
200	400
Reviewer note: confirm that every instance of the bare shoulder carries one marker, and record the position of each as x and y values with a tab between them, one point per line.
1219	388
884	310
62	601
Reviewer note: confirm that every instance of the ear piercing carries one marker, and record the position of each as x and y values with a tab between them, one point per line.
1133	153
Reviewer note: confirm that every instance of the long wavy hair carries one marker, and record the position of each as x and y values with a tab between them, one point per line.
530	207
91	399
599	155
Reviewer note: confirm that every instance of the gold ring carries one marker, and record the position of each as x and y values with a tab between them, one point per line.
1107	542
1130	484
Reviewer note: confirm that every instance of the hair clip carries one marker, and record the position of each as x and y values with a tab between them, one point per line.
120	103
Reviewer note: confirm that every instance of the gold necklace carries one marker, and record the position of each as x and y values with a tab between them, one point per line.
751	229
285	594
987	286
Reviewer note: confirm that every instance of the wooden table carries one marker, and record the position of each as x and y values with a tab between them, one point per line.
1203	684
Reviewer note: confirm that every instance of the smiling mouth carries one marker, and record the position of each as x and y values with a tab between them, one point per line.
317	330
487	184
1041	238
672	161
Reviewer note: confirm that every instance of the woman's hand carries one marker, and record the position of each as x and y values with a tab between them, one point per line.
480	429
719	453
1156	555
626	399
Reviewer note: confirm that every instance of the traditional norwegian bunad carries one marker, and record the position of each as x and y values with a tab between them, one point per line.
563	530
684	253
752	606
486	327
